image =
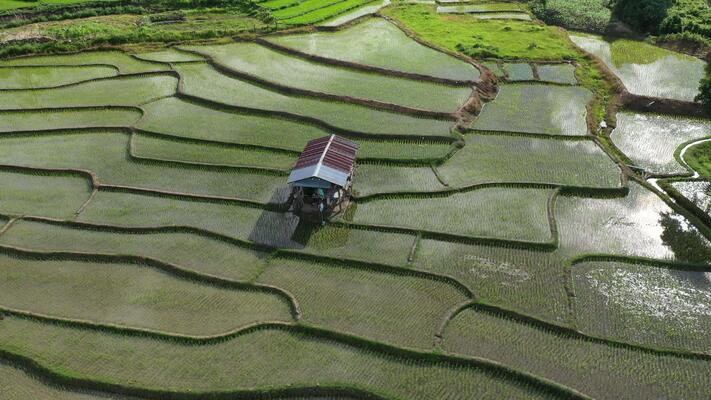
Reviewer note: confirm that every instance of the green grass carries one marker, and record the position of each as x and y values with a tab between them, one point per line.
38	77
360	301
203	81
248	362
651	141
202	254
395	51
699	159
482	8
484	38
595	369
647	70
106	154
129	91
50	194
501	213
272	66
131	295
534	108
644	304
494	158
65	119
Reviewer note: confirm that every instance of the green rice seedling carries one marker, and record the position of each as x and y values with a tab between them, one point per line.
249	362
124	62
415	151
639	224
357	244
200	253
593	368
106	154
647	304
498	212
273	66
179	118
128	91
519	71
526	280
360	301
131	295
203	81
647	70
169	56
651	141
697	192
162	148
496	158
557	73
278	4
322	14
368	9
379	43
39	77
553	110
302	7
228	219
377	178
14	121
18	385
55	195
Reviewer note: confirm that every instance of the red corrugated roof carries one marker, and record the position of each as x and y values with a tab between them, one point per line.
332	151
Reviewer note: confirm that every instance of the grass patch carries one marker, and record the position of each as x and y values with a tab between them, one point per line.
699	159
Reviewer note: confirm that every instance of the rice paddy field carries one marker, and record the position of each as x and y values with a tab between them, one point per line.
495	245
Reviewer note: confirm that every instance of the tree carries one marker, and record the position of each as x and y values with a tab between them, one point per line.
642	15
704	95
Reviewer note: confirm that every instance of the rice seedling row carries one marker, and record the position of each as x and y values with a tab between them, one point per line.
379	179
57	119
18	385
497	212
53	194
169	55
286	71
322	14
302	7
535	108
121	91
42	77
698	192
641	303
202	81
124	62
106	155
354	15
246	362
592	367
356	296
131	295
379	43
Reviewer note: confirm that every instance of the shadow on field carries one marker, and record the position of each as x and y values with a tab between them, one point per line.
282	229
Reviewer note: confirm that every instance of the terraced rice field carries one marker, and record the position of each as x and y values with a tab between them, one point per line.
146	250
666	74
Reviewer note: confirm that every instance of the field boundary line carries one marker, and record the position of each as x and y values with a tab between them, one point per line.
449	316
296	92
683	201
264	41
215	105
137	75
573	333
486	366
168	268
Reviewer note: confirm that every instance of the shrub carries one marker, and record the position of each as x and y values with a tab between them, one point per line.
642	15
587	15
704	95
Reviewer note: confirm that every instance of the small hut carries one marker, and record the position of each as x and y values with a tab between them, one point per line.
322	178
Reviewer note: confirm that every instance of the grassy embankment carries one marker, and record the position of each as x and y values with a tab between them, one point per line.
504	39
699	158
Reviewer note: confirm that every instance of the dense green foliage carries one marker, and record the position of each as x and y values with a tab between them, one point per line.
704	95
685	17
699	158
587	15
